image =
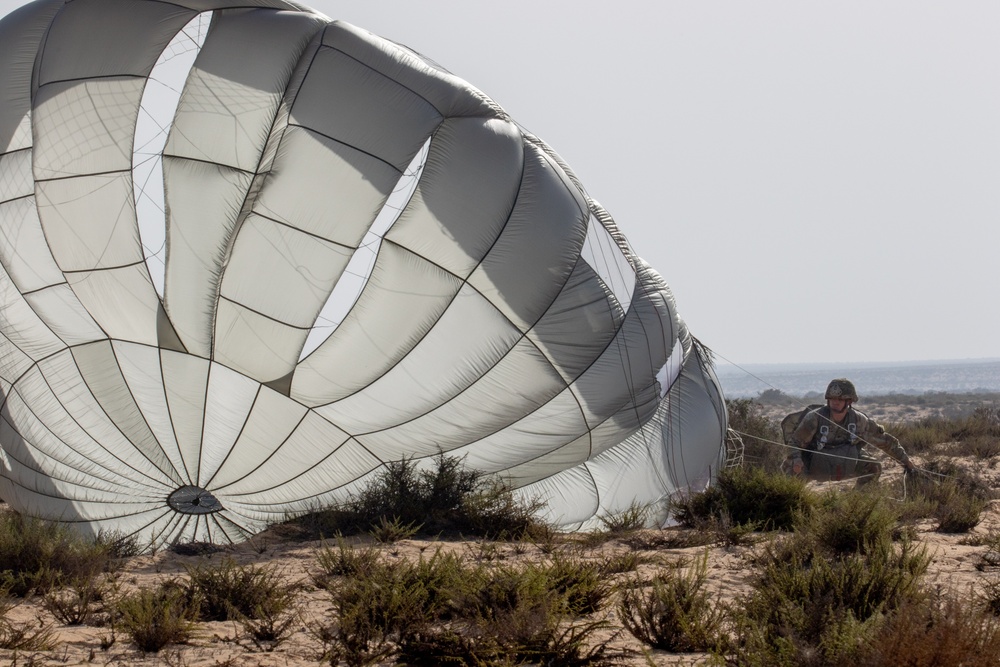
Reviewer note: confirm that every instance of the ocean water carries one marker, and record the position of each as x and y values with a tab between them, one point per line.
963	376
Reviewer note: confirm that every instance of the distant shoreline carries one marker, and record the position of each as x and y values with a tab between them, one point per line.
958	376
723	367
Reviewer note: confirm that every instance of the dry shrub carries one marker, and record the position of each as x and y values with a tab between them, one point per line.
673	612
38	556
155	618
232	592
747	496
949	493
759	433
448	499
343	561
22	636
938	630
820	595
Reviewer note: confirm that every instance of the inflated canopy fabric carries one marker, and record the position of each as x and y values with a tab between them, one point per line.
327	254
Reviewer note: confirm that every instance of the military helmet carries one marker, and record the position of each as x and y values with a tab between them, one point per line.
841	388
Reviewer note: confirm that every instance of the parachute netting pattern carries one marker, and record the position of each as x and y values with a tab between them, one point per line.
250	255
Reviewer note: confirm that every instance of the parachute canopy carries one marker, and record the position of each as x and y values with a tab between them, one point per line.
251	255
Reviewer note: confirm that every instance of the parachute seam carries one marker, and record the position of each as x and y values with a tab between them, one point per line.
170	413
42	289
88	433
109	418
56	179
381	464
14	152
251	195
99	269
82	456
385	76
57	476
246	420
145	421
267	458
306	232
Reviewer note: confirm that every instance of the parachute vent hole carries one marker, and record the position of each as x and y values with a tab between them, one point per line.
193	500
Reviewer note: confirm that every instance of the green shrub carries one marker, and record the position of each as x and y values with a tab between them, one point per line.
674	613
855	521
810	605
950	494
496	513
632	518
344	561
748	495
154	618
938	630
758	432
448	499
392	530
580	582
959	511
232	592
619	563
39	556
372	613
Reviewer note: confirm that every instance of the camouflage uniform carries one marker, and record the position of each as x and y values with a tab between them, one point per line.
835	450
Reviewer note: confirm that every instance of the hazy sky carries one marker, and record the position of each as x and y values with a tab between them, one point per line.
815	181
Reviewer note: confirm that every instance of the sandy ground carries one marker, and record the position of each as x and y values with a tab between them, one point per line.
957	561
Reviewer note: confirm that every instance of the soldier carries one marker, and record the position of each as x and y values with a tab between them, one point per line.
831	440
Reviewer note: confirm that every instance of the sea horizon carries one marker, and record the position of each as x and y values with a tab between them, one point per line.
876	377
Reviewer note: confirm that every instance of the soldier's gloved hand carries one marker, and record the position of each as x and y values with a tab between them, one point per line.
909	467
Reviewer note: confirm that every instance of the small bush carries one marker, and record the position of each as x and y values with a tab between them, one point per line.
758	432
232	592
958	511
989	595
449	499
855	521
392	530
580	582
766	500
39	556
674	613
620	563
938	630
344	561
372	614
22	637
950	494
154	618
630	519
76	604
810	605
495	512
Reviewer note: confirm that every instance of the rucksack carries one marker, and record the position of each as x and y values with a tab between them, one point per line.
792	421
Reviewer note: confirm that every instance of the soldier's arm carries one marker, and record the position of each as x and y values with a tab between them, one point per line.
875	434
804	433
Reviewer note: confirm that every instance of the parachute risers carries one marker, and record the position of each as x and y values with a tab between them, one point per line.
327	255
